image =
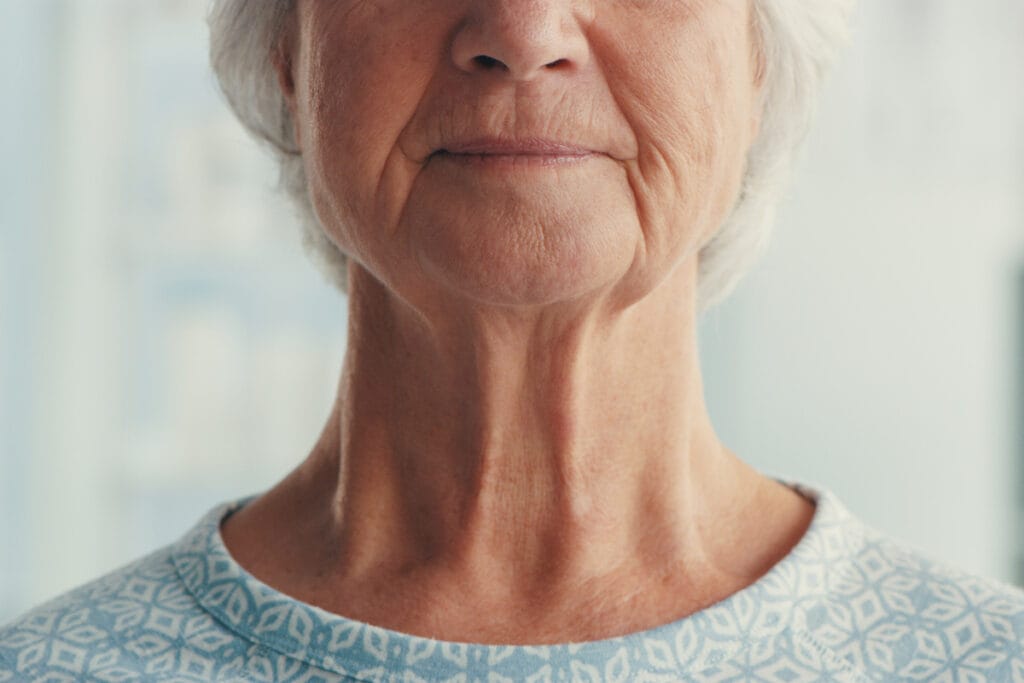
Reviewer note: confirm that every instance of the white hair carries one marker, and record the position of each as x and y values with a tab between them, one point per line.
798	38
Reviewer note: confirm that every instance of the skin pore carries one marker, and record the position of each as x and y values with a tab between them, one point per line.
520	451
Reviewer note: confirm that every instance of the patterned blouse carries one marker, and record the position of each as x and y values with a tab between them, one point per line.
846	603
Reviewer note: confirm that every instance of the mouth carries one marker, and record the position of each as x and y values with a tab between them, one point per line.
513	152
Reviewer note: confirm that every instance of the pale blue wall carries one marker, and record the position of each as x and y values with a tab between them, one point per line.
29	36
873	349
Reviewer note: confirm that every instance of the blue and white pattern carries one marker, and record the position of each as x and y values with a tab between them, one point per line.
846	604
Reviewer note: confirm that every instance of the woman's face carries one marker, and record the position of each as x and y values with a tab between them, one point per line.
522	151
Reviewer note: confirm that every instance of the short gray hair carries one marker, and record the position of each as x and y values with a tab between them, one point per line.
799	40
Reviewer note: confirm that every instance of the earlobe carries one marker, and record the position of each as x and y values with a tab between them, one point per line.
760	67
283	67
757	56
283	64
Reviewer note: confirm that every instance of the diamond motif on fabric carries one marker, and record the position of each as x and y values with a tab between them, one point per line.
659	654
847	604
963	635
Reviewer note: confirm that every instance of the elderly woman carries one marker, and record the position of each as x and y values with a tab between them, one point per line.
528	202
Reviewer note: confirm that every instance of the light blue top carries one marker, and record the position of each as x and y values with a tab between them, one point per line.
845	604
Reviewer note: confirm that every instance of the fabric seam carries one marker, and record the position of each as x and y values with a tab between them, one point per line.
269	642
266	644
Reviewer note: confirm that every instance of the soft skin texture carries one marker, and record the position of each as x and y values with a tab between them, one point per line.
520	451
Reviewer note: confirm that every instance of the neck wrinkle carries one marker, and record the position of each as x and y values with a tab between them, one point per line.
525	452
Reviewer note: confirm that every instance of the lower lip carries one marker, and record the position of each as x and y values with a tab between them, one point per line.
508	161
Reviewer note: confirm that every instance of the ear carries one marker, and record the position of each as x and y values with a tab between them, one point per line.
759	69
283	57
757	111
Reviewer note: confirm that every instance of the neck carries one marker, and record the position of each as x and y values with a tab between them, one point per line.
497	476
526	450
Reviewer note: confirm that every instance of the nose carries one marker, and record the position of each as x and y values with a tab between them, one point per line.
520	39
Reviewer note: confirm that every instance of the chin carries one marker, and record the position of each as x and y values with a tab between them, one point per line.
497	267
524	243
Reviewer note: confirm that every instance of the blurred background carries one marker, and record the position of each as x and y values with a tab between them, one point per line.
165	345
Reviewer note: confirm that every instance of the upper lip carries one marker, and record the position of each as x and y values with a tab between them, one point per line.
525	146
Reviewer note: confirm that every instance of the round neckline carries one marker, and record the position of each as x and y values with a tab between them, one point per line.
269	618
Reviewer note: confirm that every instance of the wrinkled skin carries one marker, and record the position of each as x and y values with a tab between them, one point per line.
664	90
520	450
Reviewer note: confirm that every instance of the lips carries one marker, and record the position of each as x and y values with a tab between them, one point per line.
515	147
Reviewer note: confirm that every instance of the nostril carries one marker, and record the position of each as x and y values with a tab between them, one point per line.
487	62
484	62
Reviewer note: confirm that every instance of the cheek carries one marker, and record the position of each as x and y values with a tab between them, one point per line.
686	94
355	97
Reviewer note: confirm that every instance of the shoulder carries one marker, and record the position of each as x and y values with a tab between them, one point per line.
94	627
896	613
139	620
